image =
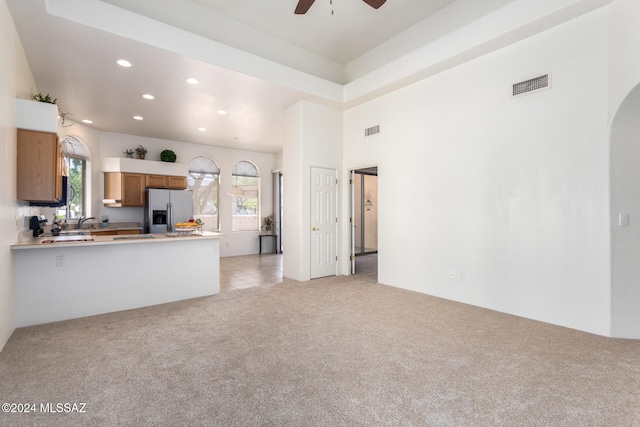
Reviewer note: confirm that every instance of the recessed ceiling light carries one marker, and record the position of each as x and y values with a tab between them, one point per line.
223	112
123	63
202	129
87	121
192	81
148	96
138	118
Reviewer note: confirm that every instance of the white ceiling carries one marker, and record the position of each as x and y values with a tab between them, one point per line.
72	46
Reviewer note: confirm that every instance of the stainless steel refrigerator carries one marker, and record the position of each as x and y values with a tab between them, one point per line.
163	208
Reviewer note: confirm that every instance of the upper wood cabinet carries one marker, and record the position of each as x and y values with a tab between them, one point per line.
125	189
157	181
178	182
40	166
165	181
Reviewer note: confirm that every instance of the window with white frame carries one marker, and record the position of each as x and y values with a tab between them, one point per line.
245	197
76	153
204	181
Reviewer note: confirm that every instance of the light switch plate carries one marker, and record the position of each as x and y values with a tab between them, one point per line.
624	219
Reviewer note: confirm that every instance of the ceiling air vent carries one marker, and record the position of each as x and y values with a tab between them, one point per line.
531	85
372	130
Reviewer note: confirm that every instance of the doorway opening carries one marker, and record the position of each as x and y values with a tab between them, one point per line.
364	221
278	193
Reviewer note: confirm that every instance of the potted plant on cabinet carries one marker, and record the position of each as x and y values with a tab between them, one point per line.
141	152
168	156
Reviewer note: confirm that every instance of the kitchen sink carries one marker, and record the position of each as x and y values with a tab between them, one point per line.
75	232
68	239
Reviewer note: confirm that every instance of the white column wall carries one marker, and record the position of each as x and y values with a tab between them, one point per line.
313	137
510	194
16	81
625	198
624	107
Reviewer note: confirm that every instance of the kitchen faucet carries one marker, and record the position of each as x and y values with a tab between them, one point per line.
82	220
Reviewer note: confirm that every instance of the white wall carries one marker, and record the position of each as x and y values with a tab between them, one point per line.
624	59
624	105
312	138
510	194
16	81
235	243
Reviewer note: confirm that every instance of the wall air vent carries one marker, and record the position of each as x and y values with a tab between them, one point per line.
372	130
531	85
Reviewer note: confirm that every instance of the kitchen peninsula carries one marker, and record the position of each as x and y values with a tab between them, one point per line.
67	280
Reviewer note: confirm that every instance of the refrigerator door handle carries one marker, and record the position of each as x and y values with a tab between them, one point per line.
169	217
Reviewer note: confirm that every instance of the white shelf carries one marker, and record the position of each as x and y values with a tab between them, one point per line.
150	167
38	116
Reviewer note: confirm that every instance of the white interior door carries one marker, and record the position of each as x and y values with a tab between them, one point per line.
323	222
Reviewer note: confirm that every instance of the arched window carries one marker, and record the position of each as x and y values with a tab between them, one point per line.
77	154
204	180
245	203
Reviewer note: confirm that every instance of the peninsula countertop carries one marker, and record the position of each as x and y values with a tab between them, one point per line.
60	281
97	240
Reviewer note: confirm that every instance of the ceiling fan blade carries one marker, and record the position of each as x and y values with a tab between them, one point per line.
375	3
303	6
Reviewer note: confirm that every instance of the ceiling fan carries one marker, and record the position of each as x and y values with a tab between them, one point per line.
304	5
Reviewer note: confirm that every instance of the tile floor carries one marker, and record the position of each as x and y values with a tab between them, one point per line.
248	271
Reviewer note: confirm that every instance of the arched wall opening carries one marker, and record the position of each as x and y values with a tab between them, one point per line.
625	204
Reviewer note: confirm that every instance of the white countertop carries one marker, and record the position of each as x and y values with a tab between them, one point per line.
36	242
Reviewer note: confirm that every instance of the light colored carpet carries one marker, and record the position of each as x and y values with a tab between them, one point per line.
340	351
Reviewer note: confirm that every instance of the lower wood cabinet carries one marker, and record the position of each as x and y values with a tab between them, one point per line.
113	232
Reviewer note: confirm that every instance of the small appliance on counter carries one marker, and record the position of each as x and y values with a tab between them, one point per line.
36	223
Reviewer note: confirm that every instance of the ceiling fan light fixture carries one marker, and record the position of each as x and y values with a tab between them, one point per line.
303	5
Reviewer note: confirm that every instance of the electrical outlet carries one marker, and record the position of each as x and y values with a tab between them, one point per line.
59	260
452	275
463	276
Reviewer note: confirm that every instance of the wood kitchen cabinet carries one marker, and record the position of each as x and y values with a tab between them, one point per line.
40	166
166	181
113	232
157	181
178	182
125	189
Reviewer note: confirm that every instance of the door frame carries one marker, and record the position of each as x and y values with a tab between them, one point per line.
364	170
